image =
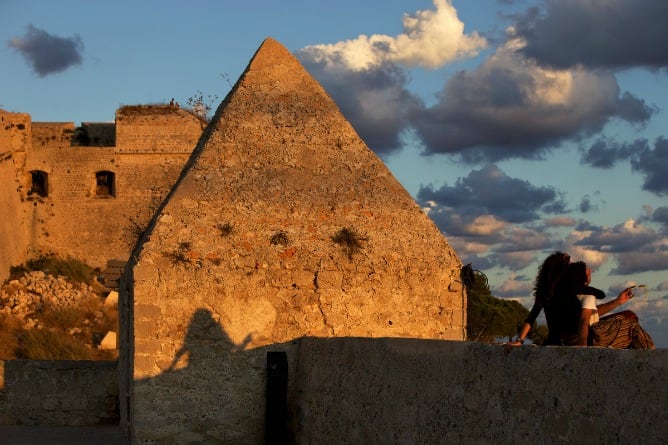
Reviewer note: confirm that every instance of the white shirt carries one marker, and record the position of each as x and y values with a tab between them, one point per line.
589	302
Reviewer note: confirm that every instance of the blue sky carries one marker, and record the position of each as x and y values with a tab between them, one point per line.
521	127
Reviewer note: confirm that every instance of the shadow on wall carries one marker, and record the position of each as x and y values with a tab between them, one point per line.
400	390
212	392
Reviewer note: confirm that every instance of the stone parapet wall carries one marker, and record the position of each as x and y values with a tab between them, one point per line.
34	392
47	135
15	132
157	129
381	391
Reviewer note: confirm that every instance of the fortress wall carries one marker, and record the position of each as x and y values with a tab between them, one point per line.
15	132
15	135
382	391
13	235
151	129
66	392
72	220
101	134
373	391
405	391
46	135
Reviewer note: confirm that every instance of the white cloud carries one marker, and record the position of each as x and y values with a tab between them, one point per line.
485	225
431	39
515	288
593	258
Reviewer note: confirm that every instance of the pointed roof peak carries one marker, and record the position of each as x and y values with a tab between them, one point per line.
271	52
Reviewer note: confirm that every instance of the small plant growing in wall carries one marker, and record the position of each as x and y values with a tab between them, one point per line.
279	238
350	239
224	229
180	255
201	105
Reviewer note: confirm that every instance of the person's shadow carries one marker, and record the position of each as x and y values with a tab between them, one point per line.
205	337
208	370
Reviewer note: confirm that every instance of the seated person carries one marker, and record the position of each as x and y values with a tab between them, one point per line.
581	321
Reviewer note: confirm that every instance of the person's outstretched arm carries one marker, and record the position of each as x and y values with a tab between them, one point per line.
622	298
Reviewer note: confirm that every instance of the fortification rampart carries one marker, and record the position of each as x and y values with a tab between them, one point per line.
62	194
146	129
410	391
36	392
49	135
374	391
15	136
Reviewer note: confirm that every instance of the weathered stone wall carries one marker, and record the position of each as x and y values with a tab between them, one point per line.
34	392
72	220
15	135
15	132
244	254
51	135
406	391
351	391
157	129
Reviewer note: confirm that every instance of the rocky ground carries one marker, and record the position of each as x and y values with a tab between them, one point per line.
31	298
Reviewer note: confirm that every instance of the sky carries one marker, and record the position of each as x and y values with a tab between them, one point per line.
520	127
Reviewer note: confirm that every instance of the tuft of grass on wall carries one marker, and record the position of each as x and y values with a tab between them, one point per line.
224	229
350	239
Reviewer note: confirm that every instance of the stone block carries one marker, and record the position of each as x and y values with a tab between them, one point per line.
110	341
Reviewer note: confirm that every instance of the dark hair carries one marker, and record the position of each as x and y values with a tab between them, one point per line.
576	276
549	275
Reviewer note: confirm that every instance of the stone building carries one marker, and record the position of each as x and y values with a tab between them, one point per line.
283	225
87	192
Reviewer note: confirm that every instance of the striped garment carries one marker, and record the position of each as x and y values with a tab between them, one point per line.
620	330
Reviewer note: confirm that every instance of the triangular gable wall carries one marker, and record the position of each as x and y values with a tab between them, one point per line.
243	255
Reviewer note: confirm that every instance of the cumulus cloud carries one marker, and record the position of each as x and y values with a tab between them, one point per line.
431	38
626	237
596	34
653	164
605	153
489	191
634	246
652	257
509	107
46	53
367	76
661	215
515	286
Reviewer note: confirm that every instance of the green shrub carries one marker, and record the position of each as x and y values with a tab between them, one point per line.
70	268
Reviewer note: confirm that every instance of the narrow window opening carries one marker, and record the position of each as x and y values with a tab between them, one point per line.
104	184
39	184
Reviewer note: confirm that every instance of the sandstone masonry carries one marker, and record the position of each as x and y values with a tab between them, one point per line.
283	224
89	191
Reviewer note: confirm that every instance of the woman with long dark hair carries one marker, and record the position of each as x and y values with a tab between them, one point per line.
549	274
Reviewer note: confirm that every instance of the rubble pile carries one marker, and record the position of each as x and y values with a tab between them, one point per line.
27	298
